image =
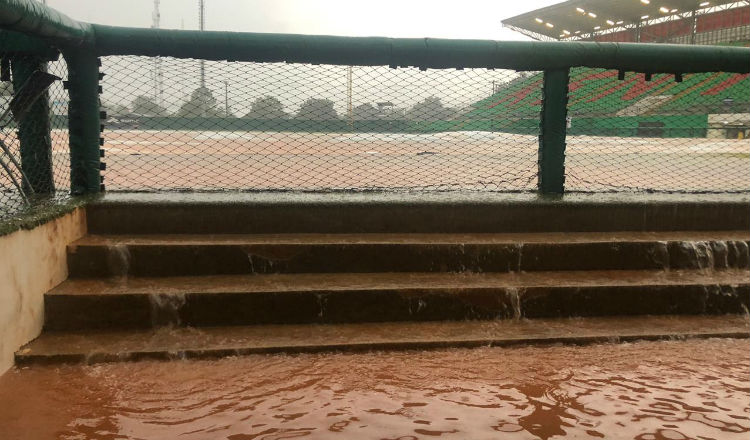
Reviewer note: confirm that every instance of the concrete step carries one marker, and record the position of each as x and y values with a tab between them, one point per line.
79	304
232	254
256	213
181	343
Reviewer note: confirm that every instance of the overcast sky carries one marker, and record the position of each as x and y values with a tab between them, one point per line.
390	18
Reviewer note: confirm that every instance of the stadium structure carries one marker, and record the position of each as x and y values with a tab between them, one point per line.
606	102
638	21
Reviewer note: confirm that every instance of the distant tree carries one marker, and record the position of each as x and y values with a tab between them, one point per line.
222	112
317	110
202	103
143	105
430	109
119	109
365	112
267	107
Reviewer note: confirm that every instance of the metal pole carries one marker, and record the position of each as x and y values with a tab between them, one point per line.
226	98
34	131
349	109
201	14
158	76
638	32
693	26
553	131
202	27
84	119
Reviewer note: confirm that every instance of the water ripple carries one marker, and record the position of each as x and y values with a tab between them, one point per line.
645	391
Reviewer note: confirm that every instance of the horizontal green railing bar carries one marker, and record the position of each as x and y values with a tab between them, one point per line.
15	43
417	52
34	18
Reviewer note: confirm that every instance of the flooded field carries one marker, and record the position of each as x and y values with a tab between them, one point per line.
140	160
646	391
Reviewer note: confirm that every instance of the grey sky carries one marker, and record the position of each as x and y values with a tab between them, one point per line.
392	18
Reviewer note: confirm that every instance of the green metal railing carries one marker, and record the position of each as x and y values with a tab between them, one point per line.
47	31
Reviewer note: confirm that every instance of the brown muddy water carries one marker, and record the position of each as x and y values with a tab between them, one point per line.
696	389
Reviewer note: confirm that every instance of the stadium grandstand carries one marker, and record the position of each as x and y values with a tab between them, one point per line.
638	21
611	103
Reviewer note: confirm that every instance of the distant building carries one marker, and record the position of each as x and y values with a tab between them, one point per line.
659	110
385	109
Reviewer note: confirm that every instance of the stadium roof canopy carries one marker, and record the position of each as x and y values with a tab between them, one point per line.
575	18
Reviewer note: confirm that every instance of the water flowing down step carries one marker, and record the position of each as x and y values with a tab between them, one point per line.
206	276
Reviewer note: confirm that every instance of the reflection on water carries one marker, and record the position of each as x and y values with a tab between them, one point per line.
645	391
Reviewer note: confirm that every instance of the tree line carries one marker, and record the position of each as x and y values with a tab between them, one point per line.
202	103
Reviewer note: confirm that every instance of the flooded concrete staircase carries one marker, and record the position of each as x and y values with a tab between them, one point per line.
204	277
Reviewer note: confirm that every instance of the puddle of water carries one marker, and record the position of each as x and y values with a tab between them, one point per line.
644	391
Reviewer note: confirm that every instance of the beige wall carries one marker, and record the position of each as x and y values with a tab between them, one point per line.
31	263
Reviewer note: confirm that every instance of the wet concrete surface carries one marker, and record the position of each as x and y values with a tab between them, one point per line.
175	342
175	255
338	298
371	281
677	390
411	238
393	213
395	196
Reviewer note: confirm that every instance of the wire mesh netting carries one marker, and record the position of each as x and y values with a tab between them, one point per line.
663	134
178	124
38	174
183	124
186	124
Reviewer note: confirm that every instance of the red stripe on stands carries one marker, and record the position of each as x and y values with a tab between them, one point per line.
612	90
644	86
727	83
590	77
519	95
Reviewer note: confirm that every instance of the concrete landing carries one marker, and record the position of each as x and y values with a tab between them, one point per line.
448	212
369	297
181	343
411	238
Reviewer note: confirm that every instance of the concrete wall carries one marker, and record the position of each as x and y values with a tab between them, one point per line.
31	263
729	126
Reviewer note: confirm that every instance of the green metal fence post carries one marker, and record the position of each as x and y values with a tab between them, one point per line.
34	130
552	136
84	120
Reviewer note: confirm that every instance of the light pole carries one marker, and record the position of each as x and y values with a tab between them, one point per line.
728	101
226	98
202	26
349	109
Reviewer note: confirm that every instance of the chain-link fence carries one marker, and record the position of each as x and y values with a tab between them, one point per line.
189	124
660	133
39	172
182	124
